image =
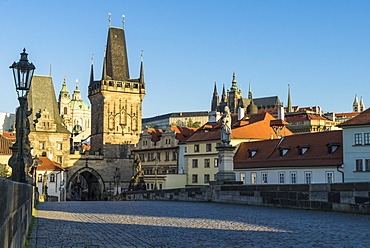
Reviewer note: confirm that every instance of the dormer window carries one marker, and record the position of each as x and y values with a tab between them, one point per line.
283	151
332	147
302	149
252	152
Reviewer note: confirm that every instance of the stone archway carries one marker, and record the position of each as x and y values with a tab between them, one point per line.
86	184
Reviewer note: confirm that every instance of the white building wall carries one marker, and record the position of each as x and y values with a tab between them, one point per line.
318	175
54	188
351	152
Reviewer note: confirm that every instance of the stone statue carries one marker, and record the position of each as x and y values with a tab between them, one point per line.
226	127
137	182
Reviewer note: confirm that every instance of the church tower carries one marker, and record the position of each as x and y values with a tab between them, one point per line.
356	105
64	100
116	100
234	94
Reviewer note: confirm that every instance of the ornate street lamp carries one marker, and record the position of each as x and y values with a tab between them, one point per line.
22	72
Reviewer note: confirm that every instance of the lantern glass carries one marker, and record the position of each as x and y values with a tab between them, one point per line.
23	73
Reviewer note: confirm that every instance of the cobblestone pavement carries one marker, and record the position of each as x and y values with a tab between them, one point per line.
187	224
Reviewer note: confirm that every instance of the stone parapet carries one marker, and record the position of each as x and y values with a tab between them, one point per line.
15	212
347	197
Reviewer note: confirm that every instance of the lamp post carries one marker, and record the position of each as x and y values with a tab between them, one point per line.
156	160
22	72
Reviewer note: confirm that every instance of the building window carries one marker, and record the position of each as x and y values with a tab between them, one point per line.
42	146
307	177
208	147
242	177
281	177
158	156
293	177
174	156
283	151
196	148
367	164
195	163
359	165
264	177
358	138
367	138
52	178
145	142
206	178
65	111
206	163
59	146
127	85
167	156
59	159
39	178
251	152
216	162
253	177
329	177
194	178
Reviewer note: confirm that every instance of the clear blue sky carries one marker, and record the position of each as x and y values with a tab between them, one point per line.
322	48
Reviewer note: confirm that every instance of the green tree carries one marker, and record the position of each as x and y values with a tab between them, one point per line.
4	171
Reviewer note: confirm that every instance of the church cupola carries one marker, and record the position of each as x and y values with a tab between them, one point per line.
76	93
64	93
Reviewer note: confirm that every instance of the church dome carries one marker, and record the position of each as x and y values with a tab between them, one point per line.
79	105
252	108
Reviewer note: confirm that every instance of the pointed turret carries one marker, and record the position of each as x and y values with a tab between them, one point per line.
290	107
215	100
92	74
141	79
115	65
223	97
356	105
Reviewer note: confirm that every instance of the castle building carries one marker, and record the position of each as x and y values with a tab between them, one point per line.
235	100
116	99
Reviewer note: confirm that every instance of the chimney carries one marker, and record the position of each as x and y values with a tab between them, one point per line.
214	116
281	114
241	113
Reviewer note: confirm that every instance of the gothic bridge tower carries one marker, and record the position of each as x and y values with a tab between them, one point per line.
116	100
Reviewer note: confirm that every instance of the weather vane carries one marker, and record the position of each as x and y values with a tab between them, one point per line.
142	55
123	21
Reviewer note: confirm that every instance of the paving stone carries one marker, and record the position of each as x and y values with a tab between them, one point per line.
192	224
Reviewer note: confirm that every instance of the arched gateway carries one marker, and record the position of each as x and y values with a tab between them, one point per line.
86	184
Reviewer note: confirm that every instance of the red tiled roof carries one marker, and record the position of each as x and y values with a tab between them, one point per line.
181	133
46	164
256	126
10	135
352	114
268	154
303	117
362	119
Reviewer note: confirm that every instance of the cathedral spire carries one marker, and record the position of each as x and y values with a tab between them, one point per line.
215	100
250	94
223	97
234	87
290	107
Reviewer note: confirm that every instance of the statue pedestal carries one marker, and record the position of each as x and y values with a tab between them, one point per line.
225	164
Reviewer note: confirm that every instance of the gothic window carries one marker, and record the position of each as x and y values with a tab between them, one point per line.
65	110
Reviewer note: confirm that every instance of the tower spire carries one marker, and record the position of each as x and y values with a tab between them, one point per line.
290	107
362	105
141	79
356	105
250	94
92	71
